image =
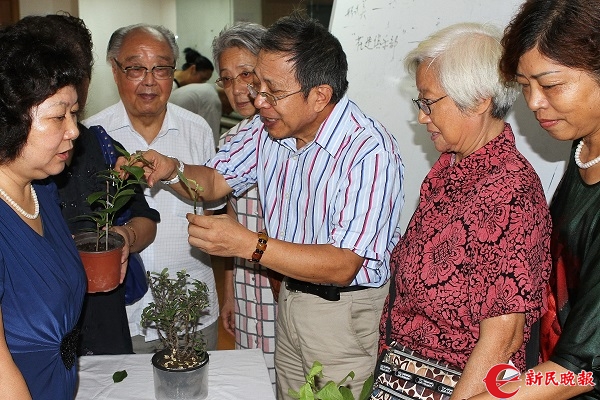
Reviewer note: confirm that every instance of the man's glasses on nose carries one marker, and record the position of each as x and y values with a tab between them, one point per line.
226	81
138	73
269	98
425	104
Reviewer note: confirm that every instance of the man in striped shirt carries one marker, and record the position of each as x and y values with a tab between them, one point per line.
330	183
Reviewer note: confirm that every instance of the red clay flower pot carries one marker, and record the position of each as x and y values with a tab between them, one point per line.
103	267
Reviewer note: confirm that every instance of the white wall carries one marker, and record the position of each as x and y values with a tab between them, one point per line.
198	22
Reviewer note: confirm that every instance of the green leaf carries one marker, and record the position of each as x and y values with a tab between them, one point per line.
119	376
343	381
367	388
346	393
92	198
122	151
137	172
330	392
306	392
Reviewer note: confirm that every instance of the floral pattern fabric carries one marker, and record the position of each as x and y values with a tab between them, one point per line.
477	247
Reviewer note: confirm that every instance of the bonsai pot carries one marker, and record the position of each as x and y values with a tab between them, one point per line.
102	267
179	384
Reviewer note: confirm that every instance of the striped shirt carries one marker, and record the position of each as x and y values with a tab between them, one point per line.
344	188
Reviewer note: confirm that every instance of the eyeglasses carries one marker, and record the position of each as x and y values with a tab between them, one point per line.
269	98
425	104
226	81
138	73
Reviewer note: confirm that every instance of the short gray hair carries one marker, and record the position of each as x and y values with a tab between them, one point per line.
116	39
465	57
245	35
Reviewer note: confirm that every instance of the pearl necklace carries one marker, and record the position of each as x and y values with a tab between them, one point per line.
18	208
578	160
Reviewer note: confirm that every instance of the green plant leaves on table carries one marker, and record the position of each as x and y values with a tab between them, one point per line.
331	390
119	376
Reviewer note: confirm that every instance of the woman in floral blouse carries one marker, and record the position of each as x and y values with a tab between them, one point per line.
470	270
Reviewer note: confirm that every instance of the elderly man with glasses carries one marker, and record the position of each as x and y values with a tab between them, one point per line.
329	180
143	61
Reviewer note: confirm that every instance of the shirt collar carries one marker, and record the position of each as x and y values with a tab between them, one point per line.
329	136
482	158
122	120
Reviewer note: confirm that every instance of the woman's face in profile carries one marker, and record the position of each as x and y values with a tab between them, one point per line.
564	100
50	139
450	129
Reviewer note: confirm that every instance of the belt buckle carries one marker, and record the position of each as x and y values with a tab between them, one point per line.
328	292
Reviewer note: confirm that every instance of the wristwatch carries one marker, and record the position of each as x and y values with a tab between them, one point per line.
176	177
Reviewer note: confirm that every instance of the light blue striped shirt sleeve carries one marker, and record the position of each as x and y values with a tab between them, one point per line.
344	188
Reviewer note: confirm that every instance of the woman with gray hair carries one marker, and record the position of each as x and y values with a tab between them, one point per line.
249	305
470	270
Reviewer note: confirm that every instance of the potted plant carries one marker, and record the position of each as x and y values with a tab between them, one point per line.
100	249
181	368
331	390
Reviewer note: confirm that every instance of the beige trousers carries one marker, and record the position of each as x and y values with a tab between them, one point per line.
342	335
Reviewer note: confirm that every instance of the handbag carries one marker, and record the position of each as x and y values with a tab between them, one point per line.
403	374
136	284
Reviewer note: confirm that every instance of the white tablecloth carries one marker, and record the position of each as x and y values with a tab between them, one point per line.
232	375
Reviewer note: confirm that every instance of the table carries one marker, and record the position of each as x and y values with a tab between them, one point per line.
232	375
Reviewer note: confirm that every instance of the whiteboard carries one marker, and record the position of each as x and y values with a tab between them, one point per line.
377	35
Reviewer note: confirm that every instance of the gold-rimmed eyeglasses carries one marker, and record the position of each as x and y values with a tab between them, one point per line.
269	98
138	73
246	77
425	104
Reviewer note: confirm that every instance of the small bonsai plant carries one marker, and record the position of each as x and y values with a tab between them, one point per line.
178	305
107	203
331	390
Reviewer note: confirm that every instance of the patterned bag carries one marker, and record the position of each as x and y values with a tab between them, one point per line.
403	374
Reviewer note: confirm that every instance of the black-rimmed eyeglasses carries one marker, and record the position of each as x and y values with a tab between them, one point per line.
138	73
226	81
425	104
269	98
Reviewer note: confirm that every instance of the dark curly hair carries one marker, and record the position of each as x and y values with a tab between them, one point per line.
33	67
565	31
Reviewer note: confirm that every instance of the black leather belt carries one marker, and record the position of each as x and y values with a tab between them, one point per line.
327	292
